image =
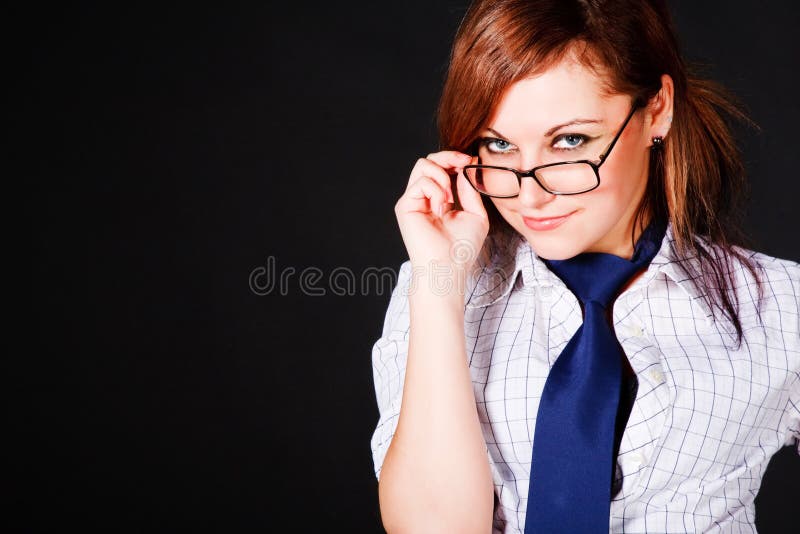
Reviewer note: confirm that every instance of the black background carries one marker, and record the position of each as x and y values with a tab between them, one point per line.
174	150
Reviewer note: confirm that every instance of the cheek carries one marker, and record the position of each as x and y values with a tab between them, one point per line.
507	209
500	204
626	175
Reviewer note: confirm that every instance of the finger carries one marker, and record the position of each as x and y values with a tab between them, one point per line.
450	159
426	167
425	195
447	207
470	199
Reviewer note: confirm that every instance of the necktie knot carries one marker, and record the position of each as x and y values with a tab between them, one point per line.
598	277
594	277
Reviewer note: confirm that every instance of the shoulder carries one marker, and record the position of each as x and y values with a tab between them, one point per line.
763	290
776	269
778	282
396	321
766	288
750	268
776	276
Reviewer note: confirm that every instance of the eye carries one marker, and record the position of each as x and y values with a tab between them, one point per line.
497	146
570	141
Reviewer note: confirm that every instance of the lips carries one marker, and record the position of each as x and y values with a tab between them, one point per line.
541	224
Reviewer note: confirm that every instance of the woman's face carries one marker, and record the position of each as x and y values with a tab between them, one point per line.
522	135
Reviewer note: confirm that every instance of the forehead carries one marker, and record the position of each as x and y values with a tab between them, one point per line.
566	91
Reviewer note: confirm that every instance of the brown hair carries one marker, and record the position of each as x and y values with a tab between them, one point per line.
697	180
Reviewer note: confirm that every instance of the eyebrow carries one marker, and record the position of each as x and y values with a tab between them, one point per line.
555	128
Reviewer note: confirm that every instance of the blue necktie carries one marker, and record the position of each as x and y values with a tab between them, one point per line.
572	467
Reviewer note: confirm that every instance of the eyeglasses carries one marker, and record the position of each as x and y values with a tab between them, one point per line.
561	178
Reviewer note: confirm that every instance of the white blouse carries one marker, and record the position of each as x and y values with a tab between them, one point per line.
708	415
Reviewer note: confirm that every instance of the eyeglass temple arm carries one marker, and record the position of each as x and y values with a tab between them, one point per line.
602	157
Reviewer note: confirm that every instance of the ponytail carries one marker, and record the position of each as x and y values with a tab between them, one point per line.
705	185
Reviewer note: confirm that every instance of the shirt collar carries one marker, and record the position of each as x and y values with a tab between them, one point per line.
669	263
496	272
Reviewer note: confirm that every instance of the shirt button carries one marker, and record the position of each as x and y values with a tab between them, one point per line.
631	331
657	375
546	292
636	459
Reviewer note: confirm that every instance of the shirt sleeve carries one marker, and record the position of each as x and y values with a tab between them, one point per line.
793	407
793	416
792	308
389	365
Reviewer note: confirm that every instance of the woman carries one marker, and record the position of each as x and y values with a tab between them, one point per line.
511	398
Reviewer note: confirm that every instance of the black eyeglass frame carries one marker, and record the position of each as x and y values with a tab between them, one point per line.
532	172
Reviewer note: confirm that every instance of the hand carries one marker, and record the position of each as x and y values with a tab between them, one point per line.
432	230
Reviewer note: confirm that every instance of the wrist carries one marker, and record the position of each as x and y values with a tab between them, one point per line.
439	280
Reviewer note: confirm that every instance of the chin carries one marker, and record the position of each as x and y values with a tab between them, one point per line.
554	253
564	242
553	246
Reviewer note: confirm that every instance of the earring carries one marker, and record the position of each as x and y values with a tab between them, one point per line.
658	143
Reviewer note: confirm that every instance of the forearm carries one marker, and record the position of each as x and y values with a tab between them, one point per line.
436	476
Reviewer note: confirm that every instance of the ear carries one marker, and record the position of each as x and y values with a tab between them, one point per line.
658	115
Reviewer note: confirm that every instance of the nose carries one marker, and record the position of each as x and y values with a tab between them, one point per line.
532	195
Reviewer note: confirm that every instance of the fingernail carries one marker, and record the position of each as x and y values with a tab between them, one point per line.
439	210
